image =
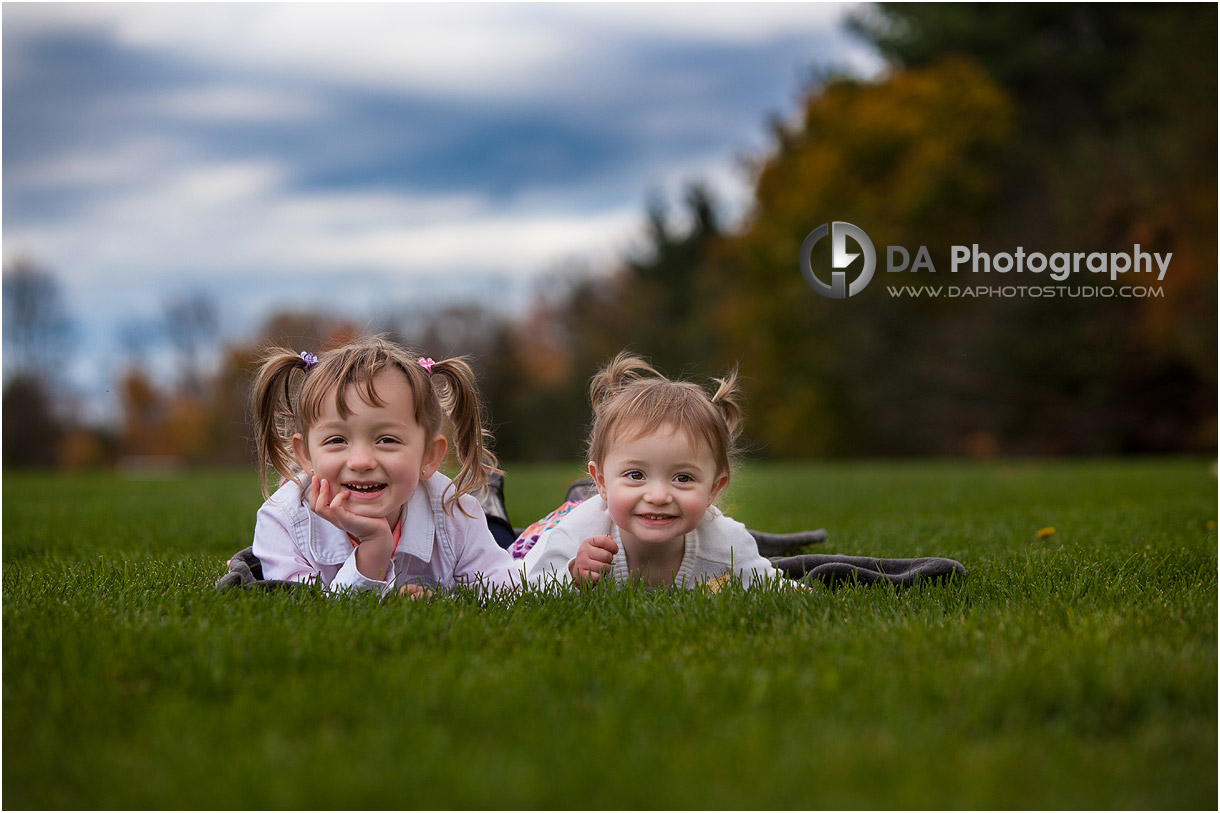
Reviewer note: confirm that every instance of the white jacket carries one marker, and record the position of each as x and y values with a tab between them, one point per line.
435	549
717	546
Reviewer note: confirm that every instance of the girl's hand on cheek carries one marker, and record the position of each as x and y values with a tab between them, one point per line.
333	509
375	539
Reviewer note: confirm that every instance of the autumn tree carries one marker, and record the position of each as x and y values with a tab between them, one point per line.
1117	126
835	376
1048	127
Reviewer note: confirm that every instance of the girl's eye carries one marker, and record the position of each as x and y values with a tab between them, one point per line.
387	439
332	441
683	478
634	475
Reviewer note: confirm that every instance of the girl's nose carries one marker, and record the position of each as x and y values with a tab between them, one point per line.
657	494
360	459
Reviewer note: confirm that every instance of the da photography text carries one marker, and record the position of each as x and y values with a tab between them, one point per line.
1060	265
851	266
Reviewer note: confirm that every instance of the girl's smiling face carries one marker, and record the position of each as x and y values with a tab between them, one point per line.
377	454
658	486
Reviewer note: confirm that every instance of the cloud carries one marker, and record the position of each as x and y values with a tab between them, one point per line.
220	218
235	103
205	119
444	49
314	154
128	163
498	51
712	22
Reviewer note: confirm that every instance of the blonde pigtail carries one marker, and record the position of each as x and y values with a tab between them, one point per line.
275	418
726	399
458	394
611	379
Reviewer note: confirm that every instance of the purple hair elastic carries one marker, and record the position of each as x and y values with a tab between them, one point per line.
309	358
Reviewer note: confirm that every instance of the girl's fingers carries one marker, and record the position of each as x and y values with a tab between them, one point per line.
604	543
322	497
339	499
326	501
324	505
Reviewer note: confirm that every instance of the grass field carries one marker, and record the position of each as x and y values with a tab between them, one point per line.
1073	670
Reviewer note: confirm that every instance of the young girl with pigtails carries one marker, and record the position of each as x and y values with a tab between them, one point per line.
659	454
356	435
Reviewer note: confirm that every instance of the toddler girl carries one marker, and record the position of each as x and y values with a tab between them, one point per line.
356	436
659	455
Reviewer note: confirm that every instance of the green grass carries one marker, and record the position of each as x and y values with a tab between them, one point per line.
1073	671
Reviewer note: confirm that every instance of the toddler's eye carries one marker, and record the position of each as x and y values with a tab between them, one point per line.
387	439
634	475
332	441
683	478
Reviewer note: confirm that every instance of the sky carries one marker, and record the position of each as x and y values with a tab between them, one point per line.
367	158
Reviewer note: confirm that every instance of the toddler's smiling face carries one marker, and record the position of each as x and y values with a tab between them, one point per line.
659	485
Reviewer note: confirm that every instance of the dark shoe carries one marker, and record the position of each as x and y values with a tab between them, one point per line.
580	491
491	497
781	544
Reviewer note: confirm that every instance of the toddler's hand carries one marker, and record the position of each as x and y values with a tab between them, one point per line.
592	560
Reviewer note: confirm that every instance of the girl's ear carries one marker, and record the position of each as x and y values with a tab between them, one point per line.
598	479
301	449
434	455
718	486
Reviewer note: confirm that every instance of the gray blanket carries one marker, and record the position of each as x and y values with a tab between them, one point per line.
245	570
834	570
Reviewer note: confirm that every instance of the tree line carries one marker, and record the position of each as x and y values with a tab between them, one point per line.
1054	127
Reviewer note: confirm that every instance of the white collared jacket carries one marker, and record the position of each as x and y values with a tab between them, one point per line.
435	549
